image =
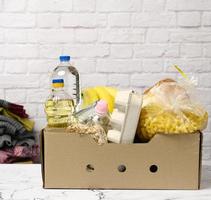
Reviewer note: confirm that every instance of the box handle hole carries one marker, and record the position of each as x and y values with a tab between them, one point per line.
90	168
121	168
153	168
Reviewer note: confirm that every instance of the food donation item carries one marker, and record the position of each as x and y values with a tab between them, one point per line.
93	130
96	113
59	105
124	118
92	121
93	94
66	71
101	115
168	107
84	115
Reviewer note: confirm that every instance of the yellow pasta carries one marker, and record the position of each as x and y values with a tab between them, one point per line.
168	122
161	115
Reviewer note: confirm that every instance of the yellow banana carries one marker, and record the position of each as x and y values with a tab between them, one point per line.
89	96
105	95
112	91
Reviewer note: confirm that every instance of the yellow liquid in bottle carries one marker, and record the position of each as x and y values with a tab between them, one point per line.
58	112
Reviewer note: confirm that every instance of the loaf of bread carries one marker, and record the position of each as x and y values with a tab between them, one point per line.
168	108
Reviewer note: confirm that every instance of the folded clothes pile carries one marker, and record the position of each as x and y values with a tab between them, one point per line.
16	134
19	153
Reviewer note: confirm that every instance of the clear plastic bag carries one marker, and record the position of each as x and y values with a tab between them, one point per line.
89	128
171	107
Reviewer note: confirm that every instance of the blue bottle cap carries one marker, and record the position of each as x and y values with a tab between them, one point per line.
57	81
64	58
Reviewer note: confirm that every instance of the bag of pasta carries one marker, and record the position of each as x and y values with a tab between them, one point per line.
170	108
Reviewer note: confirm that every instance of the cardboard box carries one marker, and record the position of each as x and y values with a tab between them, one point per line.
166	162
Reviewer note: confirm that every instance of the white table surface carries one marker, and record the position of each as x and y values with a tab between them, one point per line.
23	182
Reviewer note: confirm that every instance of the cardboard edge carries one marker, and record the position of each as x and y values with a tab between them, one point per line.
121	189
200	159
42	156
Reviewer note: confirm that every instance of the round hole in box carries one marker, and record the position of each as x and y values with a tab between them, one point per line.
153	168
121	168
90	168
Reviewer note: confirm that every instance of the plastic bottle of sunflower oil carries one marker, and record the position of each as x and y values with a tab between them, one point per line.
66	71
59	105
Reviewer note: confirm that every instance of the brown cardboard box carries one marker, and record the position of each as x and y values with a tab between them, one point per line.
166	162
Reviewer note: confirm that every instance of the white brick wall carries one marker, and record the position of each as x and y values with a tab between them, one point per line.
189	19
124	43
